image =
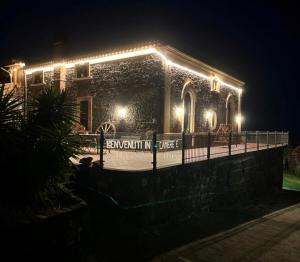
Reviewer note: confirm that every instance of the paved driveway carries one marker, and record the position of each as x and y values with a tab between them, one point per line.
274	237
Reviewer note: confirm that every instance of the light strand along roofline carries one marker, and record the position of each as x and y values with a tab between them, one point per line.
124	55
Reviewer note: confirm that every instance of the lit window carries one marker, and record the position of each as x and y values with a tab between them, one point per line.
215	85
85	112
82	70
38	77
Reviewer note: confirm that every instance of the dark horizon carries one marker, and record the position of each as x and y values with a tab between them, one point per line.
255	42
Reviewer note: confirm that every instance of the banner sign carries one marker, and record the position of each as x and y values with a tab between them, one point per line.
162	145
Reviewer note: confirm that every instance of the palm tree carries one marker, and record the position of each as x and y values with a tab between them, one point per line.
50	125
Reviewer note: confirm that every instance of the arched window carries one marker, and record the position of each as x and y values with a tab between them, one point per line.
188	97
213	123
230	112
187	113
215	85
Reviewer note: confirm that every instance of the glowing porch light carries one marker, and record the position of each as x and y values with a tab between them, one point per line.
239	119
178	112
121	112
208	115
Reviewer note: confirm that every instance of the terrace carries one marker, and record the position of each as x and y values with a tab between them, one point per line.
136	152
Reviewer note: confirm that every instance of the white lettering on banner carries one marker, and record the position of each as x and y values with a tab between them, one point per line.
170	144
148	145
141	144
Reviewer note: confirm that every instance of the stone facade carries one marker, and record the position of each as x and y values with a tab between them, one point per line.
150	88
205	99
135	83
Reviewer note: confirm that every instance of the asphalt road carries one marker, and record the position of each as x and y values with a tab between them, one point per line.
274	237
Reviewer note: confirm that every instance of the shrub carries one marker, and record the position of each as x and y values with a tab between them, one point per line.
49	129
35	153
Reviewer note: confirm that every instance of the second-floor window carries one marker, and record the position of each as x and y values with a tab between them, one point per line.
38	77
215	85
82	70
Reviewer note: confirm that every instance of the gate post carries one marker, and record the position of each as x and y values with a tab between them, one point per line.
208	145
154	151
246	141
183	149
229	143
101	149
257	141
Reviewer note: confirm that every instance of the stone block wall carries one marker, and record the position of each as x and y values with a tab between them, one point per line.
135	83
205	98
34	90
196	187
139	83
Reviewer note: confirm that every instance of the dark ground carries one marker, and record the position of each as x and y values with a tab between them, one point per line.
126	239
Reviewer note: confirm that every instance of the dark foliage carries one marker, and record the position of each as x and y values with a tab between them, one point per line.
35	152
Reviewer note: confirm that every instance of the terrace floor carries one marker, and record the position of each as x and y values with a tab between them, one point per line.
142	160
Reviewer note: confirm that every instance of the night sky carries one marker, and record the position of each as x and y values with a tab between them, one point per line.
255	41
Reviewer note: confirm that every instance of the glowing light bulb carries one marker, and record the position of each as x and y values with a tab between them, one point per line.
239	119
178	112
121	112
208	115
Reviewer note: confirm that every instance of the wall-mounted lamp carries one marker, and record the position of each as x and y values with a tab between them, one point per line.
211	119
178	112
208	115
121	112
239	119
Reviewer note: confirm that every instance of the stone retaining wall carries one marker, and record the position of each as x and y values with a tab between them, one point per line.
197	187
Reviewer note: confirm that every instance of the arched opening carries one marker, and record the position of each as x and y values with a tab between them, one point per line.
187	112
189	99
230	113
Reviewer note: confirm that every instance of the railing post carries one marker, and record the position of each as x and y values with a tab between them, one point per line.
208	144
267	139
154	151
183	149
257	141
282	138
275	138
246	141
229	143
101	149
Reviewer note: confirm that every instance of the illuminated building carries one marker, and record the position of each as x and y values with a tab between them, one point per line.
147	87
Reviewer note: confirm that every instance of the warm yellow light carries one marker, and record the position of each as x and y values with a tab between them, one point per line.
239	119
208	115
124	55
121	112
178	112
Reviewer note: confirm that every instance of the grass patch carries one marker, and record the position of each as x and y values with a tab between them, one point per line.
291	181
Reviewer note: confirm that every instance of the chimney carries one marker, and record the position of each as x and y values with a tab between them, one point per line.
58	55
59	45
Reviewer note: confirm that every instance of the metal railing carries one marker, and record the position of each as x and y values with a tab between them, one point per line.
130	150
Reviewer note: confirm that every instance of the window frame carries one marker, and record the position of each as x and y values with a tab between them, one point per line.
33	83
89	99
84	77
215	85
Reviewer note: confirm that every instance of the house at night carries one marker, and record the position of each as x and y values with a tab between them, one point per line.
144	88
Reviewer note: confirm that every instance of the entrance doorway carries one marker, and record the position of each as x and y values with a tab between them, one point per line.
230	114
187	112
